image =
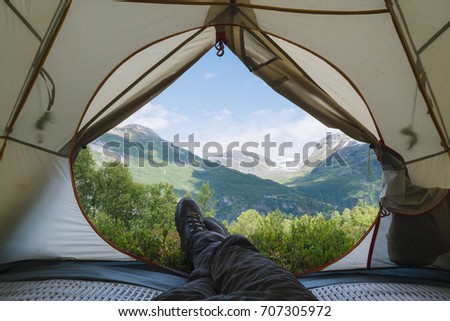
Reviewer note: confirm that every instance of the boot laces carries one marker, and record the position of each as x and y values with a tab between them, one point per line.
195	221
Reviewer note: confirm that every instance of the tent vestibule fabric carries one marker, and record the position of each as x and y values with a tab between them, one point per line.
72	69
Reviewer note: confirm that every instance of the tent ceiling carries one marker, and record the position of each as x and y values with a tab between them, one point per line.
350	52
28	30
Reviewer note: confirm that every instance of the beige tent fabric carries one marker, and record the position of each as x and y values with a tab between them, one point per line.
157	66
428	40
378	70
418	232
39	214
399	194
356	45
26	49
431	172
95	38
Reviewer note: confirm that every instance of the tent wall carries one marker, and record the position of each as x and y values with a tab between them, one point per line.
39	214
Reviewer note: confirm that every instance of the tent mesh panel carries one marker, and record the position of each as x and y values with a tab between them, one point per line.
73	290
381	292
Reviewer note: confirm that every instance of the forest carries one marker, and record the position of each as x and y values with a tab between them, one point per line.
139	218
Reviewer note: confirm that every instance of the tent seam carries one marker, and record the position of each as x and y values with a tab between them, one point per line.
7	138
265	7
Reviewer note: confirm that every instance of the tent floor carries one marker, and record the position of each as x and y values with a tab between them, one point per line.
74	290
381	292
135	281
77	290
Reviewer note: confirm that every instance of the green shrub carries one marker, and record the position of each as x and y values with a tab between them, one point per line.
140	219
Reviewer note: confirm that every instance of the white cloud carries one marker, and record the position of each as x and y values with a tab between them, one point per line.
284	126
155	117
209	75
262	112
222	114
290	125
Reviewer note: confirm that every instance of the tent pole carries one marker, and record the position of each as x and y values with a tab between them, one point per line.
35	68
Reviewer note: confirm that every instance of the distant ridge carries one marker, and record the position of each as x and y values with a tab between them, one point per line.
297	191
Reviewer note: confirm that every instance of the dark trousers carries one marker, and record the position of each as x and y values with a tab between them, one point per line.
232	269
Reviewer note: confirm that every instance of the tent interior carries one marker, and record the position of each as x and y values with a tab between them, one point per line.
73	69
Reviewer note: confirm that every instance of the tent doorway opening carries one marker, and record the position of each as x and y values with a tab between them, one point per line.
303	193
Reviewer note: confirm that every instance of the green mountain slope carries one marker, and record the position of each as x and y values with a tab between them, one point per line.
152	159
343	186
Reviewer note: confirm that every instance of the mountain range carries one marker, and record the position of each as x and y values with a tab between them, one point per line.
338	179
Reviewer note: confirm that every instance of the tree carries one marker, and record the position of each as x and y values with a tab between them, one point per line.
205	200
314	241
270	237
119	196
135	217
86	180
246	224
356	221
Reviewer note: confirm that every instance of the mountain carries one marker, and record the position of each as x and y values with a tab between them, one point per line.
325	150
347	173
257	165
333	177
284	170
152	159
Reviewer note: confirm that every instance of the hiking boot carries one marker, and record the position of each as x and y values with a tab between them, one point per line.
215	225
188	220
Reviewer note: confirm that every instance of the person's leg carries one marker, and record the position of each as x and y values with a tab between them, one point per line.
237	270
199	244
196	240
237	267
214	225
198	287
202	247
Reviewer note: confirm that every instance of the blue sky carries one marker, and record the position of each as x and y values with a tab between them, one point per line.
220	100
